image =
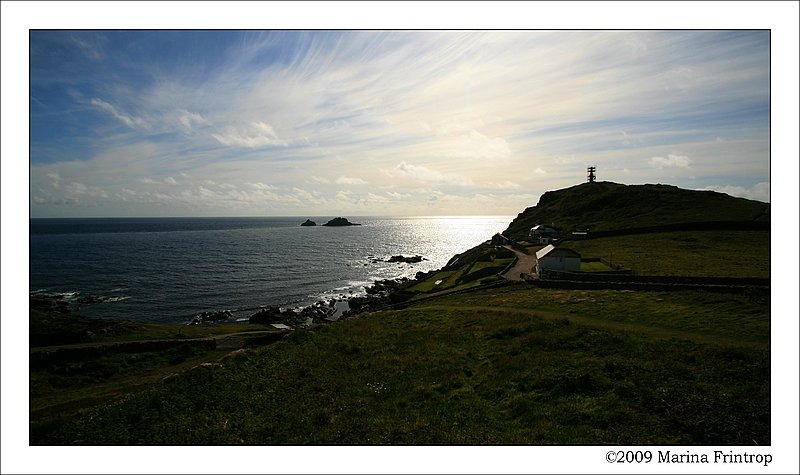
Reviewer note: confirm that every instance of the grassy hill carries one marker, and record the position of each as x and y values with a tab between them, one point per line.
516	365
606	206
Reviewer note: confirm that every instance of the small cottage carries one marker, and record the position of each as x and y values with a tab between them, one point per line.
540	234
500	240
557	258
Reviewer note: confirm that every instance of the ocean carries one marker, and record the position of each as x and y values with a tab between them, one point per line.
171	269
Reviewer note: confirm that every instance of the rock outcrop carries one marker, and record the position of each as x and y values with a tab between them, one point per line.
309	223
340	222
312	314
268	316
380	294
407	260
212	317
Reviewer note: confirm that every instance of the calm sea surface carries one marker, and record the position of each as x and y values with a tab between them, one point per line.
169	269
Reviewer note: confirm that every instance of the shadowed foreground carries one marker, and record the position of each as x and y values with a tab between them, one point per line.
507	366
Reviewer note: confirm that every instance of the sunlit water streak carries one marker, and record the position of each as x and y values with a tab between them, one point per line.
169	269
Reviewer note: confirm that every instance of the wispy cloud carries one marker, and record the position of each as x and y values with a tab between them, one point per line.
671	160
319	180
253	135
189	120
129	120
422	174
437	117
263	186
75	190
474	145
344	180
91	48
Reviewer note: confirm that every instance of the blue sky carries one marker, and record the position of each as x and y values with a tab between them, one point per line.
215	123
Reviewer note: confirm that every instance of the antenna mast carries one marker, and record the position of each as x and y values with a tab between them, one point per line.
590	174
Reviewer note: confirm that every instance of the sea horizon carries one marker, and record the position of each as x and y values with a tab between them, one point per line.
171	268
303	216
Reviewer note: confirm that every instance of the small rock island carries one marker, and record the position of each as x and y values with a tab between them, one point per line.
309	223
340	222
407	260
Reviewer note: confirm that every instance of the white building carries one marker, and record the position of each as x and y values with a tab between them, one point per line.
557	258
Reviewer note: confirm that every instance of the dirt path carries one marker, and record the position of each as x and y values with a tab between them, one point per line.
239	340
525	264
222	341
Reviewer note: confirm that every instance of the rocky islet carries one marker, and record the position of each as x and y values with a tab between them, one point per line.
340	222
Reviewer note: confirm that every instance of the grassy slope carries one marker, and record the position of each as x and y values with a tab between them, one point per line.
66	386
51	328
696	253
608	206
509	366
64	389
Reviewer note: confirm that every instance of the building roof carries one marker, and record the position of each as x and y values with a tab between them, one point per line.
552	251
540	228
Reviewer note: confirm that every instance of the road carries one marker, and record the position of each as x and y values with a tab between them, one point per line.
525	264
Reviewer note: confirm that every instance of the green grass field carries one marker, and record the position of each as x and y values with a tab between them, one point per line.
696	253
453	280
516	365
594	267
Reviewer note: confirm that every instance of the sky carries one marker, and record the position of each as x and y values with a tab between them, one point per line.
387	122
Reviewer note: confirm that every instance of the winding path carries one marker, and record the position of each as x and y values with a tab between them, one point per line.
525	264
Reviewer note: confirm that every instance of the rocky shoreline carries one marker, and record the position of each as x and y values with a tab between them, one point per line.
379	294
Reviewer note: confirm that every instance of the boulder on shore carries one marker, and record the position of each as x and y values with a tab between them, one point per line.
309	223
212	317
272	314
309	315
379	294
340	222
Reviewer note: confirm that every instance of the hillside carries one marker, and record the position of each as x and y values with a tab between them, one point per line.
607	206
511	366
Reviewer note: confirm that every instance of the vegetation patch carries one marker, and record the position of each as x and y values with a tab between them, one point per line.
473	268
48	328
490	367
595	267
696	253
